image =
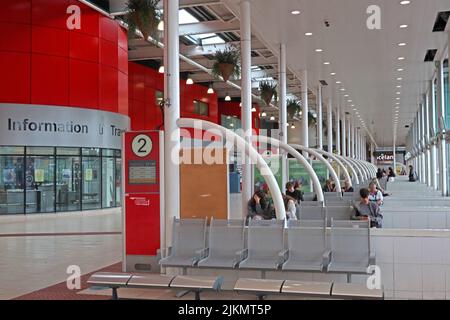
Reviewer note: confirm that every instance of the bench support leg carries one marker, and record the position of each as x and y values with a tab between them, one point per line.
260	296
197	294
115	296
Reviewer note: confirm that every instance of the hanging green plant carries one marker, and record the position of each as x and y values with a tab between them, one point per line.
312	120
268	91
227	63
293	108
143	15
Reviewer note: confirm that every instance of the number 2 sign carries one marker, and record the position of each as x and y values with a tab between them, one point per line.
142	145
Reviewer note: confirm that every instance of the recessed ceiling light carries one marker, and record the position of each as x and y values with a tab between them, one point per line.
397	98
397	103
401	58
398	92
319	50
349	100
342	89
333	73
295	12
308	34
405	2
354	109
400	69
352	105
399	86
402	44
403	26
399	79
326	63
346	95
338	82
272	118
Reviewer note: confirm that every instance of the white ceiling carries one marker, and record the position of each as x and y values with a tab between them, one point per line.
364	60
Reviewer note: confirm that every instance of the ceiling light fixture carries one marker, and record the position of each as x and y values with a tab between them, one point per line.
272	118
263	114
402	44
404	2
401	58
308	34
399	79
326	63
333	73
403	26
189	81
253	109
295	12
161	69
319	50
210	89
227	98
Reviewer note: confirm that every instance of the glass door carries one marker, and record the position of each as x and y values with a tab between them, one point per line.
68	183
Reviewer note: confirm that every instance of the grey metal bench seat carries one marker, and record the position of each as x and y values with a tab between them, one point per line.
307	288
225	244
195	284
258	287
188	243
306	246
356	291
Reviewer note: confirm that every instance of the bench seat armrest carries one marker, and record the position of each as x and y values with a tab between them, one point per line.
242	254
200	254
283	256
326	258
165	252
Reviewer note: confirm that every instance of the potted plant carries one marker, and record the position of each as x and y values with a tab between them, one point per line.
268	91
293	108
227	63
312	120
142	15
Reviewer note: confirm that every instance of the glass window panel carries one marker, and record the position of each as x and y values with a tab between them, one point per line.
201	108
12	150
68	183
117	153
91	183
108	188
68	151
118	182
40	151
11	185
39	179
107	152
91	152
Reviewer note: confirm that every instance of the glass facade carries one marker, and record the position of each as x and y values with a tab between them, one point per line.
46	179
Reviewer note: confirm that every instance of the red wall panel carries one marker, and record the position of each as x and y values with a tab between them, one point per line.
49	13
50	41
16	11
49	87
84	47
84	84
108	83
15	79
44	62
15	37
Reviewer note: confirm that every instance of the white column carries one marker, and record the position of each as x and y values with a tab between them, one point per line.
304	95
394	154
330	124
353	145
171	115
283	113
427	138
319	116
422	138
433	155
246	98
441	115
344	133
338	126
349	136
357	144
372	150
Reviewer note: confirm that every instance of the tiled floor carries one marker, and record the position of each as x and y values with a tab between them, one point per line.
36	250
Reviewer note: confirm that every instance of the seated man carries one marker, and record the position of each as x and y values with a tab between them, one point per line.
348	187
259	207
375	195
291	191
368	210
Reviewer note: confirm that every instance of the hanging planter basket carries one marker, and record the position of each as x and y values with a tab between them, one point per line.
144	16
227	63
268	91
293	108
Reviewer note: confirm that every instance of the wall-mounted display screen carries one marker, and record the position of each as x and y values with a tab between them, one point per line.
142	172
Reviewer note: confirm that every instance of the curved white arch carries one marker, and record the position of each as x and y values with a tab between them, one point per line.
249	150
358	168
369	172
324	161
362	167
371	168
300	158
339	162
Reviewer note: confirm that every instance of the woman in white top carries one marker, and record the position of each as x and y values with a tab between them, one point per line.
290	207
375	195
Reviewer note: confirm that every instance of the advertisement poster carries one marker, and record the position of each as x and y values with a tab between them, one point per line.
39	175
88	175
274	163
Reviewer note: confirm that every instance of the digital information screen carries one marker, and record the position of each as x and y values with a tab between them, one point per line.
142	172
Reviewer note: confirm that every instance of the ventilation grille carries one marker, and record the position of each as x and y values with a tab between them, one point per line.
441	21
430	55
323	82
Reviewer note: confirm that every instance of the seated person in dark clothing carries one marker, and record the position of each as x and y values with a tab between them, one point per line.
347	187
291	191
379	174
412	174
329	186
368	210
259	207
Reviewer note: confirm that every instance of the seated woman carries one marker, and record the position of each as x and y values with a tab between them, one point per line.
368	210
294	192
290	205
329	186
259	207
347	187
